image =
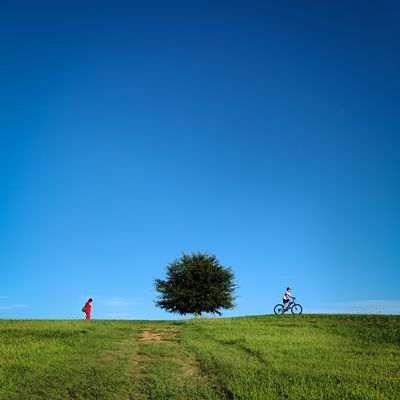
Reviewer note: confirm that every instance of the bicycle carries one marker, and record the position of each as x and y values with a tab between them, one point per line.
294	307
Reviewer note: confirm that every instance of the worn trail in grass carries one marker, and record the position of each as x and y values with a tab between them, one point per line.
266	357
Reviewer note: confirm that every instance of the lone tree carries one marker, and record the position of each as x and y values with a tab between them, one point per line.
195	284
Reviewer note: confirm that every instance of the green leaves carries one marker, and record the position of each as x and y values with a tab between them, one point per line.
196	283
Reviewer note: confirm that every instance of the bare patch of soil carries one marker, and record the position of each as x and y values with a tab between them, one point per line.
158	335
149	336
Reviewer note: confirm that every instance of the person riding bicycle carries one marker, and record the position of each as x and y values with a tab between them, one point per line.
286	298
288	304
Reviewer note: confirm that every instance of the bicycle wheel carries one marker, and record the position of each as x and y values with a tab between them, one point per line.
297	309
278	309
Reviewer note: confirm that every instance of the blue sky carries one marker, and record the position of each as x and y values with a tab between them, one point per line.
266	133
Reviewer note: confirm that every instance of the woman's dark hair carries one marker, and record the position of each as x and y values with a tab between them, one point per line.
90	300
288	288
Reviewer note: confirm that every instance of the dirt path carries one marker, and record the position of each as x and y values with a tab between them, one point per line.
158	335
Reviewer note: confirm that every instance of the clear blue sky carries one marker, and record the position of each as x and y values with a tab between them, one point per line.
264	132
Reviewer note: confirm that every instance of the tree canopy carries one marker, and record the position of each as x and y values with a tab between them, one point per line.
196	284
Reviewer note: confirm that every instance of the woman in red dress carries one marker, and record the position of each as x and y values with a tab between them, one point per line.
88	308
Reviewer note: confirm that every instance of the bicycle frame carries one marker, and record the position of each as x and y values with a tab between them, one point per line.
290	305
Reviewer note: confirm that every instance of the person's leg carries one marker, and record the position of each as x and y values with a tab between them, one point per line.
88	314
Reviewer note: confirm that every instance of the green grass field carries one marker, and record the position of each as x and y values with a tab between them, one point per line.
265	357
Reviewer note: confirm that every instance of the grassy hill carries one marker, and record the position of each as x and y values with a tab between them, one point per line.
265	357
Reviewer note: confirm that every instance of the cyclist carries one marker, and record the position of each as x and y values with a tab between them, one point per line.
286	298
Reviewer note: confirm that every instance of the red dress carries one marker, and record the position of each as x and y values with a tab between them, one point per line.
88	307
